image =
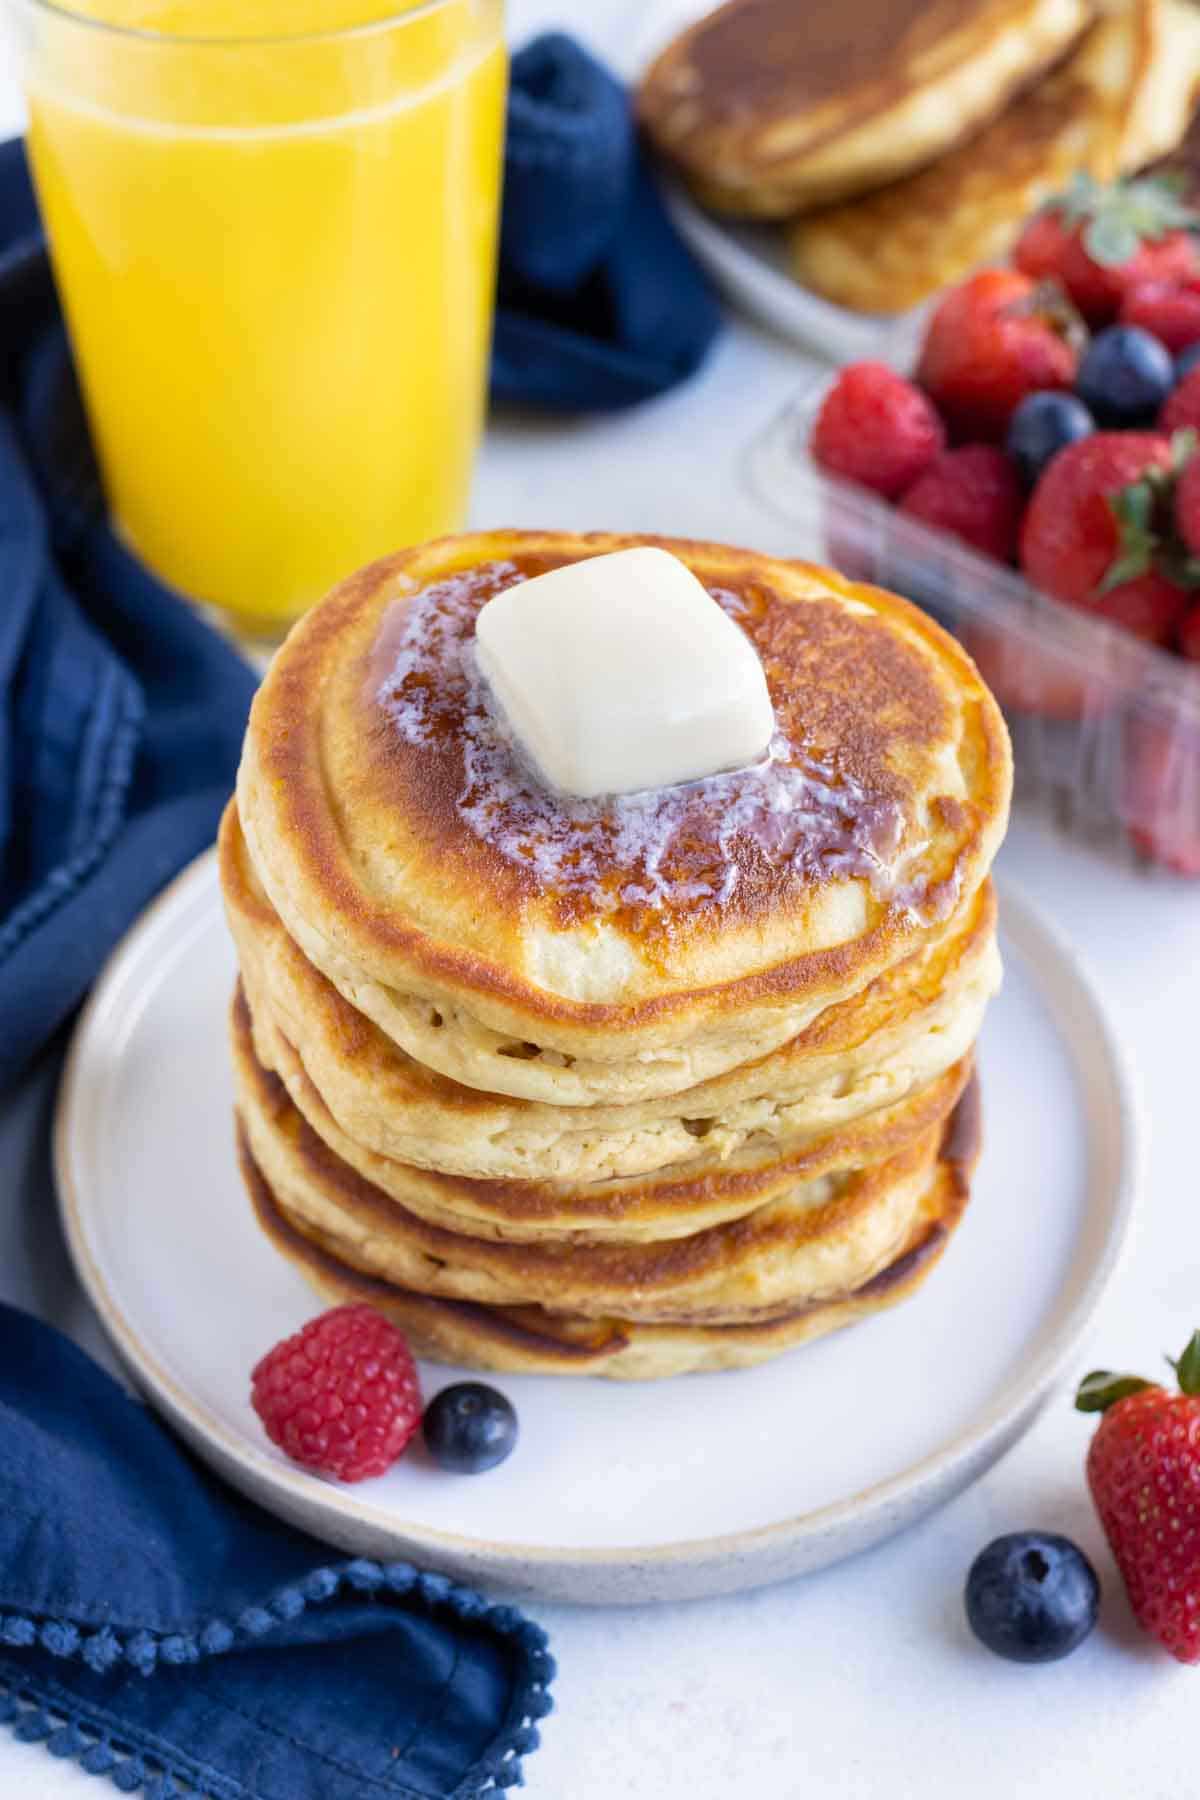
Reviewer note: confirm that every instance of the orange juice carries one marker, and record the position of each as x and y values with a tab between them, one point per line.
276	254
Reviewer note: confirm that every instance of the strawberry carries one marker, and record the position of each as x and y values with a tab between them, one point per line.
1187	505
1092	535
991	342
1099	242
876	429
1143	1469
1160	790
975	494
1028	677
1189	633
1169	311
1181	409
1151	606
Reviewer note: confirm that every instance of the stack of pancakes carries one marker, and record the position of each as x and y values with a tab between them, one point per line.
904	144
628	1087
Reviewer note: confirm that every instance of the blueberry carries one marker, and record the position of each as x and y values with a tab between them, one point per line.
1032	1597
1042	425
469	1427
1125	376
1186	361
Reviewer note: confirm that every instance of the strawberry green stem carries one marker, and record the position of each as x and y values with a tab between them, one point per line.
1102	1389
1187	1369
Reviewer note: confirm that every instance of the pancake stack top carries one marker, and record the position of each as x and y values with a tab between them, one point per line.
628	1086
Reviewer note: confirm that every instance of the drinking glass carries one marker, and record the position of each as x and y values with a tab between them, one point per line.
273	227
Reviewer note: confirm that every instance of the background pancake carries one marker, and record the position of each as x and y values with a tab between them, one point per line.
1126	91
769	107
402	851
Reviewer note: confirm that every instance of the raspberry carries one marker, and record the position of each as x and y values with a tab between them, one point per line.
340	1396
973	493
877	429
1181	410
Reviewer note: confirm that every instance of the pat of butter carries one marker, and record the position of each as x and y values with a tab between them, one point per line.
621	672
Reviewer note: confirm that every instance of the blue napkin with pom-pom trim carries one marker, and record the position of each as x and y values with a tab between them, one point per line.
161	1630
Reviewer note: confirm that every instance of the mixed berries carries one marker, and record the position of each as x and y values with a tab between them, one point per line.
1053	424
341	1396
1034	1597
1041	443
1100	244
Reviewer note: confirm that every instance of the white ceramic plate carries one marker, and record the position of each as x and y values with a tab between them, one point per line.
617	1492
749	264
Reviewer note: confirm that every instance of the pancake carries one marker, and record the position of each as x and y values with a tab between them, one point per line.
409	856
822	1237
891	249
1165	100
538	1341
669	1204
1130	82
768	107
910	1026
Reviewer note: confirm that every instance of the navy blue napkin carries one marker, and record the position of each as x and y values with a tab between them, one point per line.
121	712
600	304
152	1624
162	1631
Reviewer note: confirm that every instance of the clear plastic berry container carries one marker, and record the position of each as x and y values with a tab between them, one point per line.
1105	728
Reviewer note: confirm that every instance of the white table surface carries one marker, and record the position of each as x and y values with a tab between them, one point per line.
863	1681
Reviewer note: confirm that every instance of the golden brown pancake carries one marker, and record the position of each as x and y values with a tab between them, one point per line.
819	1238
769	107
536	1340
670	1203
408	855
1131	80
891	249
305	1154
872	1052
1165	100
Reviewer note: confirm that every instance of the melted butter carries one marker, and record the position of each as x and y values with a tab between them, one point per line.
724	842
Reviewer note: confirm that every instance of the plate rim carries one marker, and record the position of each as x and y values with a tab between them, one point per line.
767	292
993	1431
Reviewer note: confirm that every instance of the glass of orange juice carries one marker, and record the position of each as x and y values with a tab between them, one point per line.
273	227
